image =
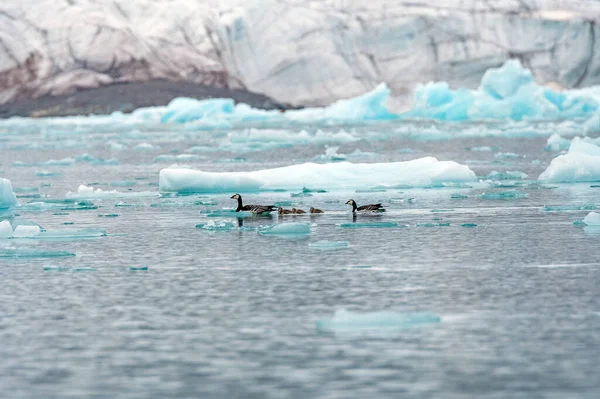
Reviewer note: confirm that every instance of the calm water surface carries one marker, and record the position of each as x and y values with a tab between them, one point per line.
232	314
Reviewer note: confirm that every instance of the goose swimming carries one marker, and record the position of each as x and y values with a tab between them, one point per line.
297	211
315	210
256	209
365	208
282	211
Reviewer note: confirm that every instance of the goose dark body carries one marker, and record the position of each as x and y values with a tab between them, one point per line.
365	208
256	209
315	210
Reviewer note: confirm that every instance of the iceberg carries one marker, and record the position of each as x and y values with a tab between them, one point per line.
508	92
592	219
508	175
419	172
580	164
7	195
345	320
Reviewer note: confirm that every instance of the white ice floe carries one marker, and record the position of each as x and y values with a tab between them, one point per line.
581	163
7	196
343	175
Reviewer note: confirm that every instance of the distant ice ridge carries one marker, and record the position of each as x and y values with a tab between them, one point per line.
344	175
7	196
581	163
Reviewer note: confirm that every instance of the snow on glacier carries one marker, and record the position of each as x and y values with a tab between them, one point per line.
343	175
7	196
580	164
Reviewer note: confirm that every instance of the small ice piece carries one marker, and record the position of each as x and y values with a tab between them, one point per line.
508	175
373	225
558	208
285	229
57	268
26	189
220	225
557	143
23	231
145	147
229	213
71	234
503	195
458	196
300	194
138	268
7	196
468	225
506	155
85	192
32	253
433	224
345	320
45	173
115	146
325	245
206	202
6	230
108	215
481	149
441	210
84	269
592	219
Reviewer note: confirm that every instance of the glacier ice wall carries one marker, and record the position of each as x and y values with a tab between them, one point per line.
304	53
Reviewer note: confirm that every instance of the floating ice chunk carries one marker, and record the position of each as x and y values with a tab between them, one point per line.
575	207
223	225
138	268
51	162
458	196
592	219
557	143
468	225
146	147
229	213
115	146
508	175
96	161
345	320
325	245
481	149
61	204
286	229
85	192
45	173
581	163
331	155
57	268
428	224
70	234
373	225
6	230
32	253
504	195
182	109
26	231
343	175
506	155
7	196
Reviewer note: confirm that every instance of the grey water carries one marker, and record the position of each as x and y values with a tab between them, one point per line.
232	314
